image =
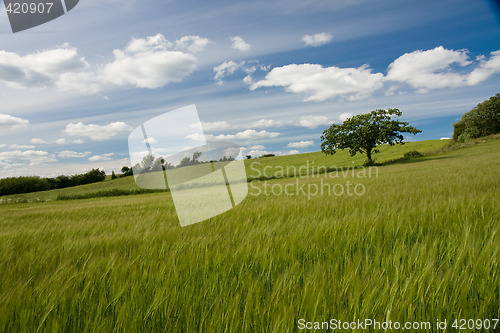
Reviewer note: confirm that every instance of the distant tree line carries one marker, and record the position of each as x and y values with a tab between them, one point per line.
23	184
151	164
482	120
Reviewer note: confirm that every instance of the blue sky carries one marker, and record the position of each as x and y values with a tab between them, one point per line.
267	75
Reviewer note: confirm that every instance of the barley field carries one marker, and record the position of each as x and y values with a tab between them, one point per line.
420	243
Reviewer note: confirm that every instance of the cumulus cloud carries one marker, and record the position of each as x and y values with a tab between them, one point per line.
104	157
257	147
225	69
429	69
263	123
61	141
293	152
150	62
72	154
344	116
485	69
7	121
317	39
38	142
39	69
29	157
16	146
97	132
314	121
300	144
240	44
215	126
193	44
319	83
244	135
440	68
146	63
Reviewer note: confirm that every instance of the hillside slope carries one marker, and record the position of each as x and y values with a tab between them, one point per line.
311	161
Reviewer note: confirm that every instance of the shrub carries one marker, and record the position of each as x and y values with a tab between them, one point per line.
482	120
413	154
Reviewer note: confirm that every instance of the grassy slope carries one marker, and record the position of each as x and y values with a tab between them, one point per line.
317	159
420	245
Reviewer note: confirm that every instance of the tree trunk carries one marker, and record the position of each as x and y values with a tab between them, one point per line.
369	156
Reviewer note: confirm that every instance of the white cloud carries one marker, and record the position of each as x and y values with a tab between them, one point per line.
3	145
61	141
16	146
314	121
39	69
264	123
293	152
257	147
150	140
344	116
38	142
445	138
257	153
300	144
439	68
240	44
193	44
78	141
485	69
317	39
146	63
72	154
319	83
215	126
105	157
97	132
7	121
225	69
30	157
429	69
245	135
82	82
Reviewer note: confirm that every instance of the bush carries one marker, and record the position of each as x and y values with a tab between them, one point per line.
20	185
483	120
413	154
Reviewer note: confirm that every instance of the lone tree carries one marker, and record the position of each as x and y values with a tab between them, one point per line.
364	132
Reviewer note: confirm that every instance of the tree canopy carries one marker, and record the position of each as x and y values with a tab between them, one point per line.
364	132
482	120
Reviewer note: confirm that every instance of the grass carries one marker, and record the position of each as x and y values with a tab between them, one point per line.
420	245
302	162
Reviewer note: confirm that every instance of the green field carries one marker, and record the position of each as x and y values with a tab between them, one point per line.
313	161
420	244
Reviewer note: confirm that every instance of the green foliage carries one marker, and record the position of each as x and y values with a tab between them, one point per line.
364	132
482	120
20	185
268	155
113	175
126	171
413	154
